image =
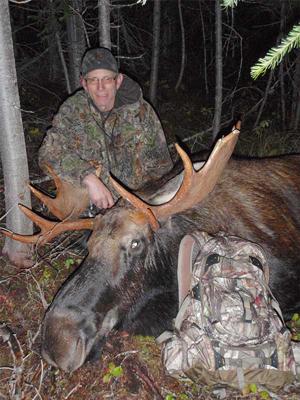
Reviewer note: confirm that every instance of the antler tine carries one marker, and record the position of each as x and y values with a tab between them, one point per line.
136	202
196	185
70	200
54	176
49	229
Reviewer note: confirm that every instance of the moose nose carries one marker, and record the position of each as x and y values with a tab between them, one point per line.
64	344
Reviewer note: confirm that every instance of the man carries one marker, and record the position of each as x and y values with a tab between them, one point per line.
106	127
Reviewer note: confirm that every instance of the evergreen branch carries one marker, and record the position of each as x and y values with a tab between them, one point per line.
229	3
275	55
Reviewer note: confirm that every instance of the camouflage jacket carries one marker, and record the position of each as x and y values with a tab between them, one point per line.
128	141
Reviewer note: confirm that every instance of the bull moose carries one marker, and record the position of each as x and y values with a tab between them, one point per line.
128	280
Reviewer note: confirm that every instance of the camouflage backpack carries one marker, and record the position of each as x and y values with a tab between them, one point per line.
229	328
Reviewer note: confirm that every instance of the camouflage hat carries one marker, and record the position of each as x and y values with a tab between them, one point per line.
100	58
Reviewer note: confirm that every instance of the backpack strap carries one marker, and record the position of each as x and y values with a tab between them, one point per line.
184	270
189	249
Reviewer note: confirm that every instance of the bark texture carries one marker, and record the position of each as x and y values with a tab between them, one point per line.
13	149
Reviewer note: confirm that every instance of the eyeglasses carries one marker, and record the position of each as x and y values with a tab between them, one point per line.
105	81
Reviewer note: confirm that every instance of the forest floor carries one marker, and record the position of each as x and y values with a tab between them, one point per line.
130	366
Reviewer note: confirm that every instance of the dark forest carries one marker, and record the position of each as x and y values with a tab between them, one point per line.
193	60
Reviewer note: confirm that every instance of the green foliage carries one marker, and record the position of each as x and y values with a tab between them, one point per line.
264	395
295	317
144	339
275	55
294	326
69	262
183	396
47	276
114	371
229	3
34	132
180	396
253	388
169	397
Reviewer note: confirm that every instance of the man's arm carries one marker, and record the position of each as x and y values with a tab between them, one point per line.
98	192
62	149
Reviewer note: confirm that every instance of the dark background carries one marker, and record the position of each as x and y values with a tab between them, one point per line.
249	31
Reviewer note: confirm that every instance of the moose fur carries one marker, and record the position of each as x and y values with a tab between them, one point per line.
128	280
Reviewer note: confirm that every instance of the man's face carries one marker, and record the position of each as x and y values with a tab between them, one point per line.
102	86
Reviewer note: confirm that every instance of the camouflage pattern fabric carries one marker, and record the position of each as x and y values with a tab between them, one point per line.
128	141
229	328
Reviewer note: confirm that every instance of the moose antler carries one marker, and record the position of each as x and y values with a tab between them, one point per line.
69	203
70	200
49	229
196	185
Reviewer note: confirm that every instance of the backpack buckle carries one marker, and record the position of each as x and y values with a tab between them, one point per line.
196	294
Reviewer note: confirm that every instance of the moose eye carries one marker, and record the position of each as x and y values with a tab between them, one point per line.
135	244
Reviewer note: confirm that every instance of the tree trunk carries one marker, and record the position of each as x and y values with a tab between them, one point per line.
76	42
155	52
281	67
104	23
182	47
63	62
13	150
295	120
219	70
204	50
54	61
127	39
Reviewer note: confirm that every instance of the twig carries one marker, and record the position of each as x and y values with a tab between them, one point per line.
43	300
145	379
82	23
41	376
20	1
41	180
33	339
8	211
78	386
42	88
37	394
267	92
16	378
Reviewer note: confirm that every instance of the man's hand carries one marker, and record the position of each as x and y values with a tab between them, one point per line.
98	192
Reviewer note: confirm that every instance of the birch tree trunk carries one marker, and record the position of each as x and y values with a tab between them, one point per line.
219	70
104	23
13	150
76	42
155	52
